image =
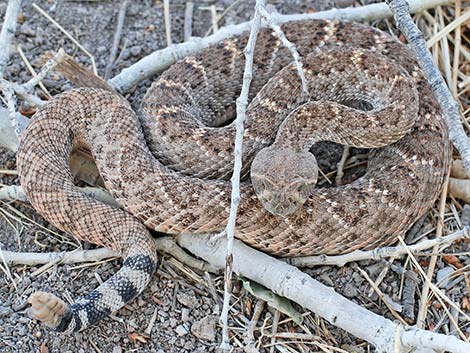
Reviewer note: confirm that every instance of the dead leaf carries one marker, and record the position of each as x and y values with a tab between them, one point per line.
157	300
466	303
141	337
453	260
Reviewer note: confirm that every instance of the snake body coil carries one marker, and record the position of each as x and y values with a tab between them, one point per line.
174	179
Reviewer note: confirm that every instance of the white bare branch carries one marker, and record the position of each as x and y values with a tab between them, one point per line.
295	285
379	253
449	105
162	59
8	31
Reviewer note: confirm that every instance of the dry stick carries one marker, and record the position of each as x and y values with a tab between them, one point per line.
440	295
116	39
295	285
222	15
377	254
50	64
68	35
423	303
449	105
340	165
457	45
215	18
188	20
166	245
242	102
166	14
8	31
22	92
6	36
162	59
447	29
32	71
295	54
249	339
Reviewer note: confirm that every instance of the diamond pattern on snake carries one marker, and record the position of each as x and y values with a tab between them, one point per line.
168	164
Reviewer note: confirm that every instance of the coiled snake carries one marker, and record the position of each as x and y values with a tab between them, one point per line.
174	180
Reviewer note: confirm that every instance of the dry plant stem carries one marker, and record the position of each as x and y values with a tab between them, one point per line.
68	257
116	39
460	188
457	46
31	70
340	166
377	254
295	54
447	29
166	14
67	34
447	102
50	64
162	59
295	285
188	20
423	303
21	92
8	31
242	102
166	245
16	193
249	335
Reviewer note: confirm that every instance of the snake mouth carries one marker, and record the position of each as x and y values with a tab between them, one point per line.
281	207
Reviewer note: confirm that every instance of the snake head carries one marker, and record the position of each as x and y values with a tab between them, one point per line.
283	179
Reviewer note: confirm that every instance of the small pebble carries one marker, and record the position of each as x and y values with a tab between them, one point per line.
136	50
204	329
443	276
185	315
181	331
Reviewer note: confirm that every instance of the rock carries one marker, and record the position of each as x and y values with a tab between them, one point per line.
443	276
181	330
136	50
187	300
350	290
117	349
204	329
185	315
173	322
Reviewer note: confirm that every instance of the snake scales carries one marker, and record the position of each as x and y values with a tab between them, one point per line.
174	180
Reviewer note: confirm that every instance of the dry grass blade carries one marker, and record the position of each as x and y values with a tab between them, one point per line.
68	35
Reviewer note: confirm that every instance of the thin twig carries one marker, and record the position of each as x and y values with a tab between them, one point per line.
449	105
288	44
242	102
166	245
8	31
377	254
50	64
32	71
162	59
116	39
423	304
68	35
188	20
166	13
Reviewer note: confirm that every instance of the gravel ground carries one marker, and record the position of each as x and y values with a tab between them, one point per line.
180	301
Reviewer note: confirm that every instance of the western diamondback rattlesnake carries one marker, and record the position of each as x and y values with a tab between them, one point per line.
179	113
